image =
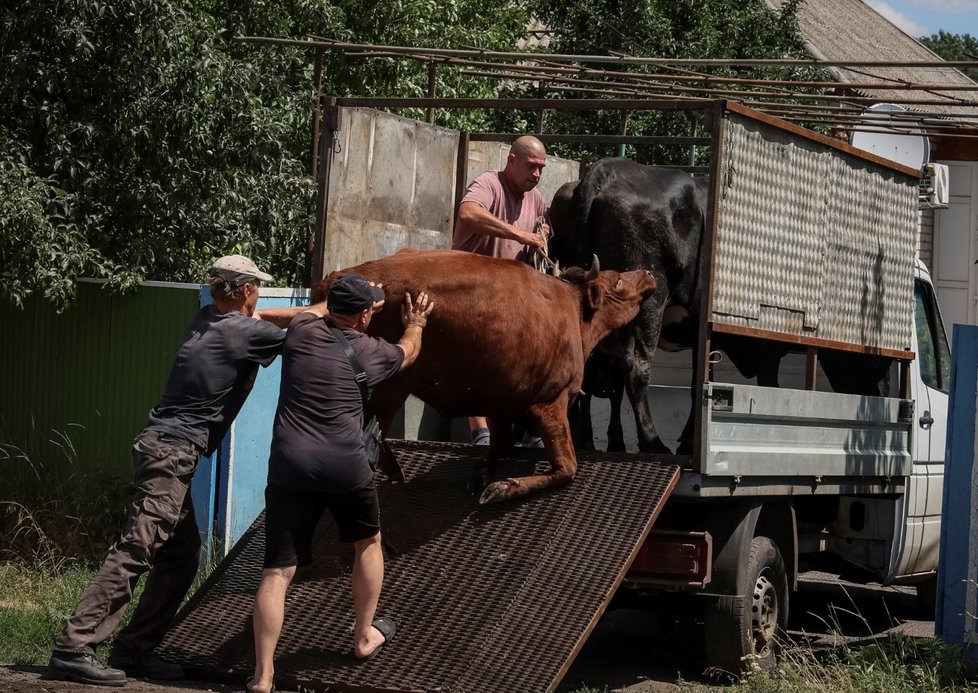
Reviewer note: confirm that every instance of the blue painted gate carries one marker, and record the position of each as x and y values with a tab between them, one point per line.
957	587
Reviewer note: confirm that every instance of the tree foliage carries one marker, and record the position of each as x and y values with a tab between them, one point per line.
954	47
138	140
727	29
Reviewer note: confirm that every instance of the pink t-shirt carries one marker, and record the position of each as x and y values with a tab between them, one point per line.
488	192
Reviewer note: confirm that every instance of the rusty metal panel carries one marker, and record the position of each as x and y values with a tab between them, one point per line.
497	598
391	185
812	241
489	156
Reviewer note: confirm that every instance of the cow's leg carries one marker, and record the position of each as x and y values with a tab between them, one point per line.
616	392
500	443
550	421
638	367
579	418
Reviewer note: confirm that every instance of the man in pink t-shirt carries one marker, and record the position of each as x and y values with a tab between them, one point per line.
497	216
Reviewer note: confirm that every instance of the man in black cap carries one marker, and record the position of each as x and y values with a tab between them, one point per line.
318	460
211	377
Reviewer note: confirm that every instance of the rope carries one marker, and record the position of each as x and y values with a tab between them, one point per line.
540	257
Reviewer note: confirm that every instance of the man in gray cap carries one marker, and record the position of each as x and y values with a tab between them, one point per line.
211	377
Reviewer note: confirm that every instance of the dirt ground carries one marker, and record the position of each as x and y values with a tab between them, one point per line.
631	650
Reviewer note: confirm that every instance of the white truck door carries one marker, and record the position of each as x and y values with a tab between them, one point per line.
929	385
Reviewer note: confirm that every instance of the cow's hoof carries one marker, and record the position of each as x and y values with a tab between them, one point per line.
616	446
498	491
655	446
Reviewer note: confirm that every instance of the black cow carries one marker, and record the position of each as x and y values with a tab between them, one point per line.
631	215
636	216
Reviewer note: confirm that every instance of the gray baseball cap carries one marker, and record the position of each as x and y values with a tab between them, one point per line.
237	269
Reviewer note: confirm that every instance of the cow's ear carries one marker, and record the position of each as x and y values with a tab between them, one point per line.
595	295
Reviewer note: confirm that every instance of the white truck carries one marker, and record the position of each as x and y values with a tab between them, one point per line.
789	479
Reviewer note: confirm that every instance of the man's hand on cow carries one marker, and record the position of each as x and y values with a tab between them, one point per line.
378	305
416	313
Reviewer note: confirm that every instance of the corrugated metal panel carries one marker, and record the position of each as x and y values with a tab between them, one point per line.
90	373
811	241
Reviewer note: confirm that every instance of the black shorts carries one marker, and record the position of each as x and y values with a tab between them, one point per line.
291	518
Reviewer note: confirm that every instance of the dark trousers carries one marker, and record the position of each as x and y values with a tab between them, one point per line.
160	537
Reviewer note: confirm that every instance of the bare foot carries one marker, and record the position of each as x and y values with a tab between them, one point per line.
252	687
366	647
382	630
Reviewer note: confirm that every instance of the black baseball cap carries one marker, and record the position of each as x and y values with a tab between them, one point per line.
351	294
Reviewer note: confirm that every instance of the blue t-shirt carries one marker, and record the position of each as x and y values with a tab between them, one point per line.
212	375
317	441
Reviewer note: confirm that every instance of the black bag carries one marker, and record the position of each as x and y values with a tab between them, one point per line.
371	429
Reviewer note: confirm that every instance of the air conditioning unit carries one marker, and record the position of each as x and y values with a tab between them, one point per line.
933	191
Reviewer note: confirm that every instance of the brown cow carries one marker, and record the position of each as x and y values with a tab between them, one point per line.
504	341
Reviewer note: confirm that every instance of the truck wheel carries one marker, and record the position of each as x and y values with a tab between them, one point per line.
741	630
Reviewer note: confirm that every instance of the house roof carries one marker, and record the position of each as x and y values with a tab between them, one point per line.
852	31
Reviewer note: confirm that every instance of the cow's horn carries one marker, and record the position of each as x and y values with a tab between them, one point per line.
592	273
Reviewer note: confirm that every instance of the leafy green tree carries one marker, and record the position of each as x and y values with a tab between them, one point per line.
668	29
954	47
140	140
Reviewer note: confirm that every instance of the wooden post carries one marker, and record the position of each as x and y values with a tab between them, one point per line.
327	143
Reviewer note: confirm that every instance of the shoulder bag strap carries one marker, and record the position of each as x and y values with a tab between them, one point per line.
359	374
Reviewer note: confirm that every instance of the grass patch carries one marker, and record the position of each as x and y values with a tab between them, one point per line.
34	604
57	523
55	509
896	663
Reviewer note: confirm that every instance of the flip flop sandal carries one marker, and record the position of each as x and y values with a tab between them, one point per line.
388	628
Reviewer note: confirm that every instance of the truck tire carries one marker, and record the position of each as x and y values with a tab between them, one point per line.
741	630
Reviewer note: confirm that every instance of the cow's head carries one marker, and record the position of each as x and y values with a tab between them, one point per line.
609	299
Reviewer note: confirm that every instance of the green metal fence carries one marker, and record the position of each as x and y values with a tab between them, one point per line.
79	384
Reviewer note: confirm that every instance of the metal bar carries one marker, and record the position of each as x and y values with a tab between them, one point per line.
592	139
617	60
316	113
811	363
461	169
708	248
813	341
523	104
904	379
541	94
432	82
741	95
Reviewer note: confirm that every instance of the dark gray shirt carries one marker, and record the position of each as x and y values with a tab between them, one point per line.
317	441
212	375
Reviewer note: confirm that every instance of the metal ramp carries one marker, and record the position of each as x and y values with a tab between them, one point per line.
487	598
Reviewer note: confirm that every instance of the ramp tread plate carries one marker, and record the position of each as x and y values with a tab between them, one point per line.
487	598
